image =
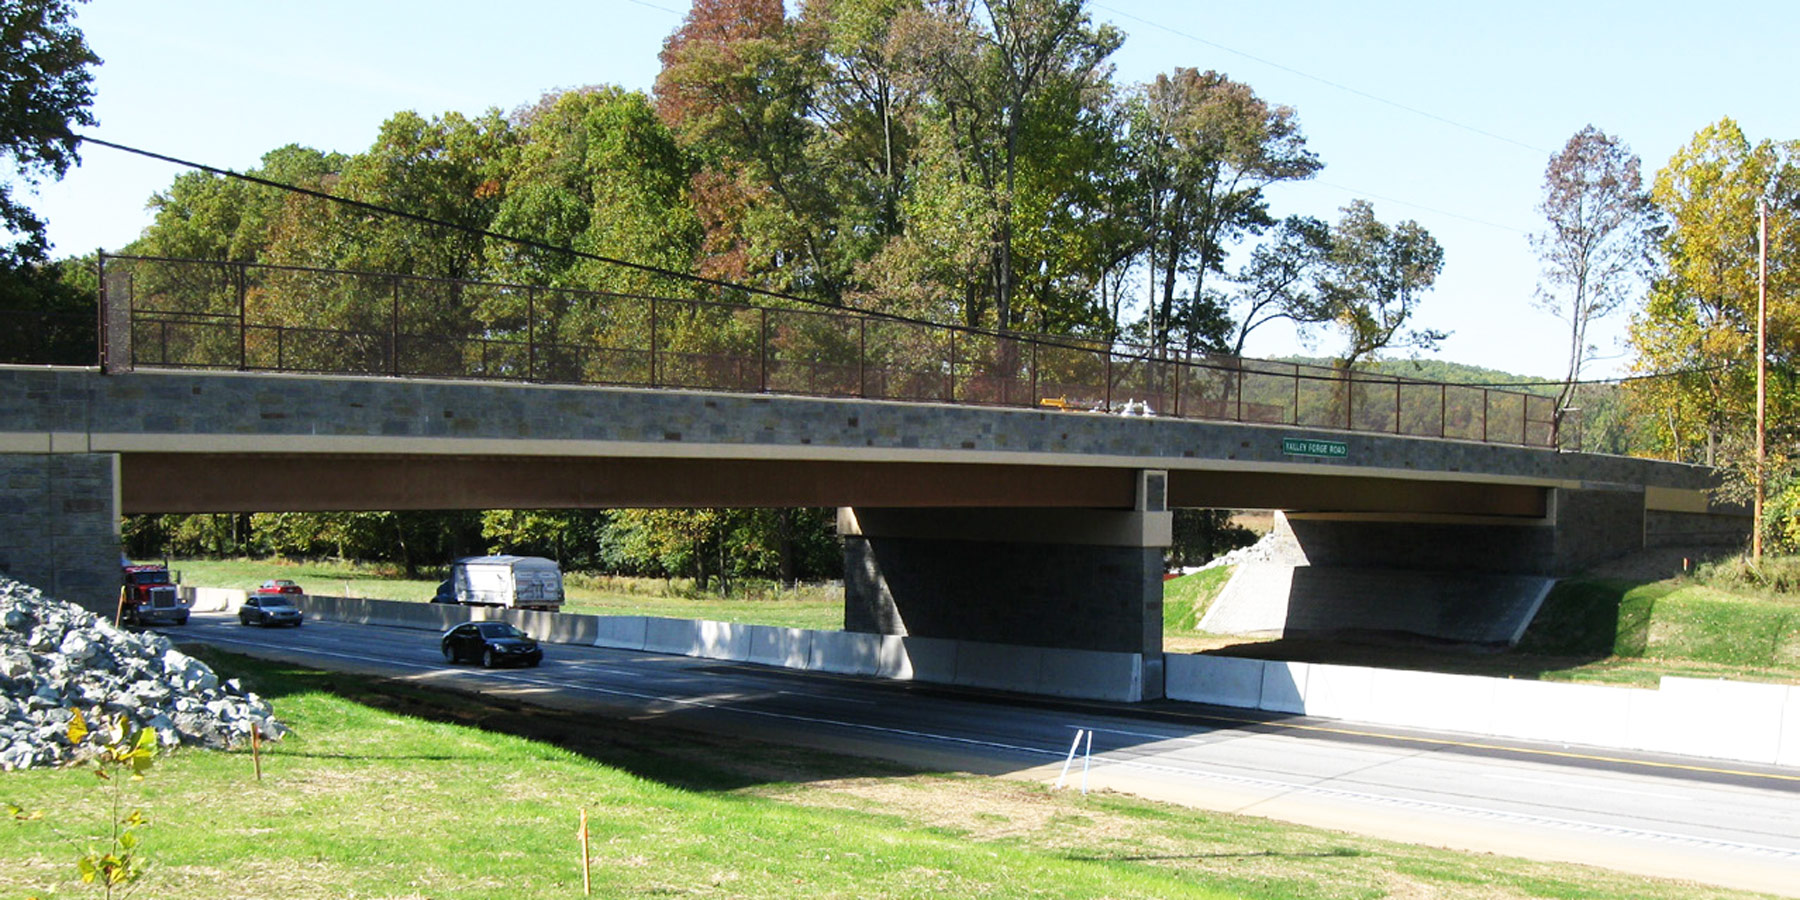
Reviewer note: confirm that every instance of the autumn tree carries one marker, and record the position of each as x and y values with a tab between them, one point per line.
1596	213
1698	325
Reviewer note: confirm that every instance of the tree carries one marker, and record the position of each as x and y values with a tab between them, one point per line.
47	79
1376	276
1597	212
1011	85
1281	279
1698	325
1206	147
207	216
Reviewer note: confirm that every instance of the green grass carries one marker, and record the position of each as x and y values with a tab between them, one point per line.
1186	599
811	606
390	790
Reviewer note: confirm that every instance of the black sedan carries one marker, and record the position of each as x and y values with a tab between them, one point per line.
269	609
492	643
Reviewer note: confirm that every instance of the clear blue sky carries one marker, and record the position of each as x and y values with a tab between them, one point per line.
224	82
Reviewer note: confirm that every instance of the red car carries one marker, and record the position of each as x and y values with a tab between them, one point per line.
278	586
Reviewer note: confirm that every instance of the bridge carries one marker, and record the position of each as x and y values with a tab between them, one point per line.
963	516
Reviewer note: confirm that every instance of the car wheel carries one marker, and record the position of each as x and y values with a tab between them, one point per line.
298	623
449	654
534	663
487	658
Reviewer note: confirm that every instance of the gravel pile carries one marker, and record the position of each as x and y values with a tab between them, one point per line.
56	657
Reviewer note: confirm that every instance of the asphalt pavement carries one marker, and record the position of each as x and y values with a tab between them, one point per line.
1707	821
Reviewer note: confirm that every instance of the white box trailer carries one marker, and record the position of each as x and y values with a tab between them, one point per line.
516	582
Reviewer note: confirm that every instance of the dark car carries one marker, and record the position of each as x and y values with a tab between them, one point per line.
278	586
492	643
269	609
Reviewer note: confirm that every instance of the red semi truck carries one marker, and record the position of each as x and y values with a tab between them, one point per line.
150	598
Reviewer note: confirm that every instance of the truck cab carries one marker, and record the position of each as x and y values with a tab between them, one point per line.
149	597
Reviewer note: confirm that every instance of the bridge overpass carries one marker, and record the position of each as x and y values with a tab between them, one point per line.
1040	527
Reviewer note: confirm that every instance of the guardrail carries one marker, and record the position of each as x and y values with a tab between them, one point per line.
176	313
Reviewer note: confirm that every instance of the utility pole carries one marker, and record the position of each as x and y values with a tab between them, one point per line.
1762	358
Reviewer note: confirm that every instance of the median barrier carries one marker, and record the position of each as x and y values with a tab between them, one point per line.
788	648
1005	667
1788	754
621	632
205	599
1284	686
721	640
845	653
1219	680
1431	699
931	659
1090	675
1696	717
553	627
1337	692
676	636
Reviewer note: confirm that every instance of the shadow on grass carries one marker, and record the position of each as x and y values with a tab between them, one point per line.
1582	622
676	757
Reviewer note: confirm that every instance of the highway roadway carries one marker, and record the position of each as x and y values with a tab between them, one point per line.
1707	821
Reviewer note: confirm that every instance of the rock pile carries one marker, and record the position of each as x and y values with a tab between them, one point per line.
56	658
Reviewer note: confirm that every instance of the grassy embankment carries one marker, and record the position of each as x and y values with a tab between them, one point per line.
391	790
1723	621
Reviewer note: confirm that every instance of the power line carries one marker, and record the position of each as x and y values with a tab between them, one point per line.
1328	82
1430	209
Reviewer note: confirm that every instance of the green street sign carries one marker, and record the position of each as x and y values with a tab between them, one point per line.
1309	447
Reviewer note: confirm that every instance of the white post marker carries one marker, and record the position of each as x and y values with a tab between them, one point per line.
1087	759
1073	746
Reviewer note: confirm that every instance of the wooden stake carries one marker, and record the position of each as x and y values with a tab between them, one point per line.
586	884
256	749
119	614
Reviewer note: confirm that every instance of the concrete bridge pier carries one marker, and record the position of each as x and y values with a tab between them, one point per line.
1069	579
59	522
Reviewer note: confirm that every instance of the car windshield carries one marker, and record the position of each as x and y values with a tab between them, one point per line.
499	630
276	603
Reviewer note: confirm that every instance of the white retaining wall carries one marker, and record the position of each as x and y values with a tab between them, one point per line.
1757	723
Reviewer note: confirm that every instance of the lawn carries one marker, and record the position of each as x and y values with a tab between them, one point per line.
390	790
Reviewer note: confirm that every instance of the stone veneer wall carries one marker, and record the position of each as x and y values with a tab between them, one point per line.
58	526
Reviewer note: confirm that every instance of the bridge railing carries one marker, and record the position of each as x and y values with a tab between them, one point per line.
175	313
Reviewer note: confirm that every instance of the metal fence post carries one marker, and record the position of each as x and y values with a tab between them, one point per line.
243	319
531	334
102	342
763	354
1443	411
862	356
1396	406
653	342
1484	414
394	329
952	381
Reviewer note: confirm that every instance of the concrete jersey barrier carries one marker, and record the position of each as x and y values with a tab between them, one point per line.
1758	723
